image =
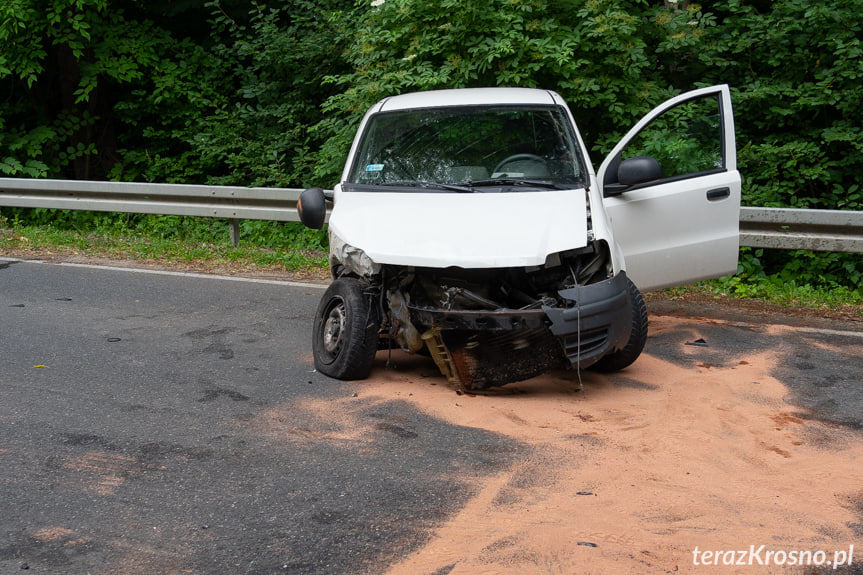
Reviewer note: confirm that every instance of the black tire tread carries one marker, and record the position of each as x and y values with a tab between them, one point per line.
625	357
356	357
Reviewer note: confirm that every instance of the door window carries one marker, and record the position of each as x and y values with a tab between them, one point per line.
686	139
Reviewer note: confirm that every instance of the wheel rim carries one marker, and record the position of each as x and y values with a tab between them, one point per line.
334	328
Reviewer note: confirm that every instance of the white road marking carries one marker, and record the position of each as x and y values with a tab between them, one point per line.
174	273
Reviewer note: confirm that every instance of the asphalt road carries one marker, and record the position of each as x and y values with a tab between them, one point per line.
133	415
171	424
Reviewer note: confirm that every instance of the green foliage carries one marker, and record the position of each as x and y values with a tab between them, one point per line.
241	111
775	290
795	67
595	53
793	276
23	51
686	139
802	267
271	235
784	287
276	236
261	136
797	70
161	113
264	234
270	93
62	64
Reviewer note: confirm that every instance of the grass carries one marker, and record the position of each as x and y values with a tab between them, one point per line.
177	252
772	294
837	301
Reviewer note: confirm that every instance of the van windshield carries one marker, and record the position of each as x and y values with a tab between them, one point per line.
469	148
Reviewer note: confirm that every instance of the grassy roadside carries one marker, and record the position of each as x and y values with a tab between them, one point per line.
219	256
799	301
774	291
125	248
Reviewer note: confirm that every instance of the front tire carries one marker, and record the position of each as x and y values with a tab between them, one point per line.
345	333
625	357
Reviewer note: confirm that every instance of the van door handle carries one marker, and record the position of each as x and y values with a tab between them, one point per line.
718	194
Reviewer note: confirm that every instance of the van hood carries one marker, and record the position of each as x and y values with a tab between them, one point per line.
478	230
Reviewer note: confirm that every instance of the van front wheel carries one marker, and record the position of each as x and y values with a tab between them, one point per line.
345	334
623	358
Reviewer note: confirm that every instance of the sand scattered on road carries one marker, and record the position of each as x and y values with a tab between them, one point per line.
635	474
630	476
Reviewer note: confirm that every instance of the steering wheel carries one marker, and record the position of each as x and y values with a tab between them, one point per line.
518	158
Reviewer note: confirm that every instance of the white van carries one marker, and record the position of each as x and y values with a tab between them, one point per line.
470	224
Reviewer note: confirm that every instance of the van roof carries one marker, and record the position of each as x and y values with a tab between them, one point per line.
468	97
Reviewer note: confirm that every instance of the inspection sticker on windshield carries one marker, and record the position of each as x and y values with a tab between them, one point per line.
374	167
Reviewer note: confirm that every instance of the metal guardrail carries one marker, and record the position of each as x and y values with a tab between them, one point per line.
231	202
778	228
166	199
798	229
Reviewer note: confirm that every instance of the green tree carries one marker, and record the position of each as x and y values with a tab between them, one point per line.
262	134
796	67
796	70
62	63
599	55
237	109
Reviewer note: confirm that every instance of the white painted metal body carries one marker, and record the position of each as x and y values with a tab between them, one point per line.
462	230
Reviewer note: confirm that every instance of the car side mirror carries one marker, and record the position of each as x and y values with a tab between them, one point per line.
638	169
630	172
312	208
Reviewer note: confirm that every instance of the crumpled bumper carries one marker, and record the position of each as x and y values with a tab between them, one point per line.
598	322
495	347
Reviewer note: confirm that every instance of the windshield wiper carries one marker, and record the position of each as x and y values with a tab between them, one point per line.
464	187
519	182
410	184
469	186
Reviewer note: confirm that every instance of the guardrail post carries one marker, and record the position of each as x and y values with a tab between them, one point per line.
235	231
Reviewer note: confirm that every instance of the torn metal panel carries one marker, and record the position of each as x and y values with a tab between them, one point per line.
352	258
